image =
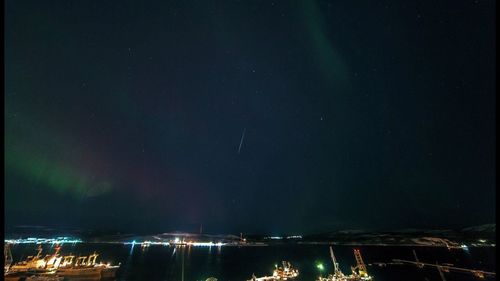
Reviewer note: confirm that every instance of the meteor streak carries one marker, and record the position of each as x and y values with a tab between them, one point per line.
241	140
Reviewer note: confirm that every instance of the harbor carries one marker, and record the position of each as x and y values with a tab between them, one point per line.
134	262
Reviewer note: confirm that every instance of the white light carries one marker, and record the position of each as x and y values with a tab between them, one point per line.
32	240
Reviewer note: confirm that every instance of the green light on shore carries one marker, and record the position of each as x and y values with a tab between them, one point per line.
320	266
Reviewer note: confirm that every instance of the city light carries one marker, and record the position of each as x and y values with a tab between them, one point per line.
33	240
205	244
176	242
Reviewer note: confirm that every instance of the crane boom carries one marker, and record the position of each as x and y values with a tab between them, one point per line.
335	263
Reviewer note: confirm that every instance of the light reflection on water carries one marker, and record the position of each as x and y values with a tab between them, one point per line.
233	263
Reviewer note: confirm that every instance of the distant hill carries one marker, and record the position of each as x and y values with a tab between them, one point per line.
485	229
430	237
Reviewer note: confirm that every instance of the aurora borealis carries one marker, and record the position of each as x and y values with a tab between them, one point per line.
249	116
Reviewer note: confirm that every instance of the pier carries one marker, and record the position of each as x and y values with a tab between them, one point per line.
446	268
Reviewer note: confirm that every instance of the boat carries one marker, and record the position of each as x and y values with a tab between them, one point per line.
32	263
286	272
51	267
86	267
359	272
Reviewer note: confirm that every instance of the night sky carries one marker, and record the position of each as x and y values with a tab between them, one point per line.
249	116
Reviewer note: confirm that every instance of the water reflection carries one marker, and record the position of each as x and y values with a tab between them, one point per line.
126	266
232	263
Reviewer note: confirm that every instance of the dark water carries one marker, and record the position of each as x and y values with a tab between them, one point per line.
238	264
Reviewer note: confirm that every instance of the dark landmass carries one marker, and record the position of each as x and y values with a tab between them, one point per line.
483	235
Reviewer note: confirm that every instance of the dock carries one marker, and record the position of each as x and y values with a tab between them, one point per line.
446	268
264	278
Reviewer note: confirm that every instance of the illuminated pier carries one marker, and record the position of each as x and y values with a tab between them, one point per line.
446	268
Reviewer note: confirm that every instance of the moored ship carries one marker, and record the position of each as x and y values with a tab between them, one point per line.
55	267
86	267
286	272
34	264
33	268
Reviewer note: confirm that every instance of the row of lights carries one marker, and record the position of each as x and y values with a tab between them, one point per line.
176	242
32	240
286	237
